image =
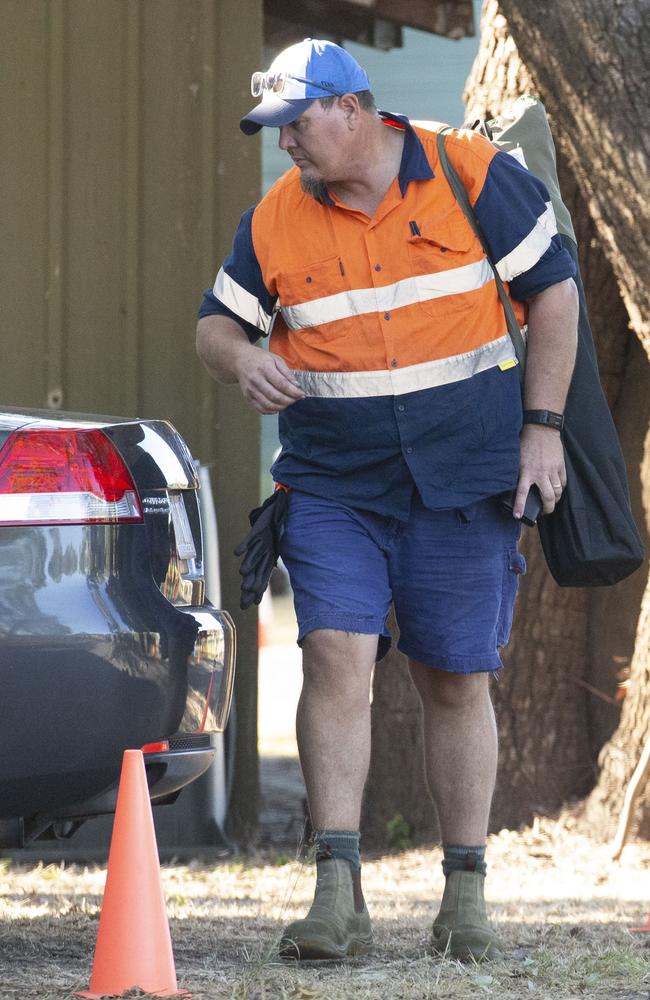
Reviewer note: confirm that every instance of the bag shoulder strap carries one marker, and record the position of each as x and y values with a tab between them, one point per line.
462	198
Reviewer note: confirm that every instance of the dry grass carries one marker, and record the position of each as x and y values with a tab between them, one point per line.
562	907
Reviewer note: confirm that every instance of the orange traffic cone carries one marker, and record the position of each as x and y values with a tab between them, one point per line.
134	946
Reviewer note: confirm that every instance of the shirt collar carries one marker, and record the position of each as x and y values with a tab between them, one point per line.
414	165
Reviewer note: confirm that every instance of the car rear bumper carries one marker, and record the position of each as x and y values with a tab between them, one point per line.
168	772
147	686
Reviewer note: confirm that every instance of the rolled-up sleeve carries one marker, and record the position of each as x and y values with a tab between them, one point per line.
516	216
239	290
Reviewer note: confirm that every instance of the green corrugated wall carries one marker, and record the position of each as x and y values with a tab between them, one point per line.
123	176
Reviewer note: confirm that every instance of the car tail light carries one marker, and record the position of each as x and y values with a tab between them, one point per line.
65	476
162	746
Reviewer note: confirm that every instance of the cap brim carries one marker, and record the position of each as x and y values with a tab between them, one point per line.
274	111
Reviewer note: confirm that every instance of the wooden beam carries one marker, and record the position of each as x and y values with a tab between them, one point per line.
377	23
449	18
286	22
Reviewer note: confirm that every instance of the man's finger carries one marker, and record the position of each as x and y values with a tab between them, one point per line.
266	395
270	388
549	496
520	497
283	381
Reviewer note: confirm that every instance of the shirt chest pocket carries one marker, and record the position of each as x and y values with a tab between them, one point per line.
436	253
313	281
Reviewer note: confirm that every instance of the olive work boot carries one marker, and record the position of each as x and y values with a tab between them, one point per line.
337	924
461	929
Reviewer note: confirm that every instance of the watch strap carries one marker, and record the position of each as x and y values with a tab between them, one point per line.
547	418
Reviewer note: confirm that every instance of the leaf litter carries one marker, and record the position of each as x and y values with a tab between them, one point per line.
561	905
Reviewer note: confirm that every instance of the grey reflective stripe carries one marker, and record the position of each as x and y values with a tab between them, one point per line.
527	253
408	291
397	382
244	304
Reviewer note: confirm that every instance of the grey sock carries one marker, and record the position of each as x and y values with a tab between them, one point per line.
459	858
338	844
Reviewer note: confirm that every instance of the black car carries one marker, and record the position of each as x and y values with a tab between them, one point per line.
106	640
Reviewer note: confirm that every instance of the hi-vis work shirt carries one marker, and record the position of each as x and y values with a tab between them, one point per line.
393	327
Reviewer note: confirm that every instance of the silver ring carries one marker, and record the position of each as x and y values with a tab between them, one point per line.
557	486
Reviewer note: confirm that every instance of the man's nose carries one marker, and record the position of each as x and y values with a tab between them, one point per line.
286	140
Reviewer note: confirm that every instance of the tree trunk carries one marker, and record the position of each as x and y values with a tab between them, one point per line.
620	755
608	617
590	60
396	785
567	644
545	754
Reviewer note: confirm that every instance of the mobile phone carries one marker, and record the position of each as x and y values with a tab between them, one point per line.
532	508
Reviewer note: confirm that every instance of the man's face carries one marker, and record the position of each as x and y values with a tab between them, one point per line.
317	142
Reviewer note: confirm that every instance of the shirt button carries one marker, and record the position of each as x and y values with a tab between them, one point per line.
401	408
308	280
377	267
393	363
386	315
408	451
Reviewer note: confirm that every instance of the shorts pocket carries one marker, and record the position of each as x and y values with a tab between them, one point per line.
514	568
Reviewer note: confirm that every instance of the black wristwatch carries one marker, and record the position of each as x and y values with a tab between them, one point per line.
545	417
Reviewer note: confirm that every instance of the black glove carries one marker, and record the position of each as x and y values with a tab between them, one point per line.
261	547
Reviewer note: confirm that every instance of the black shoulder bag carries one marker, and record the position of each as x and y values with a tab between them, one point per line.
590	539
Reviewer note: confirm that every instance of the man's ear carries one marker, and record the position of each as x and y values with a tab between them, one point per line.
349	103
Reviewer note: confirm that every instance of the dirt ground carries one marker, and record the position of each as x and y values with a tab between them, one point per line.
563	908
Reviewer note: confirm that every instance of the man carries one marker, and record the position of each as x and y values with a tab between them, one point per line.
401	424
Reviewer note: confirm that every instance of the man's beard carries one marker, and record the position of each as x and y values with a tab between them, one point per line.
314	187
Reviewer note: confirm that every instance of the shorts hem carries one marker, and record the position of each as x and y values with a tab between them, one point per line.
455	664
341	622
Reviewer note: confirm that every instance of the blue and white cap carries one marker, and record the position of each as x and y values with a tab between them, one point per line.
297	77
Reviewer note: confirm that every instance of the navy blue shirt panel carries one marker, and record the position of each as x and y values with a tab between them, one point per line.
457	443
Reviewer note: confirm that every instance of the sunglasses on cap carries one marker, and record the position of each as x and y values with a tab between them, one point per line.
275	82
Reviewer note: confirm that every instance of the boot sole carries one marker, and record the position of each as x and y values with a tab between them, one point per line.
322	950
476	950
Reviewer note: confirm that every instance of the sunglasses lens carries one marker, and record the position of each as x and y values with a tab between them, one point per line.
257	84
262	81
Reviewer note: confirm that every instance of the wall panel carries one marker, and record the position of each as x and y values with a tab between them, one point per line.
93	193
25	284
123	176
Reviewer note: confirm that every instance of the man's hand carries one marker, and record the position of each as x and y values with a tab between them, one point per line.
266	381
552	342
541	462
264	378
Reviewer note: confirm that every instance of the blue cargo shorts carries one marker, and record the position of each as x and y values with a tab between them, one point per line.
452	576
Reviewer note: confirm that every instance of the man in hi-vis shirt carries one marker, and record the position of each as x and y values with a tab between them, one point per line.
401	424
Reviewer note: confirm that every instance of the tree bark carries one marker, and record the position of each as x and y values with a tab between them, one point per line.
605	620
566	643
591	61
620	756
396	785
539	701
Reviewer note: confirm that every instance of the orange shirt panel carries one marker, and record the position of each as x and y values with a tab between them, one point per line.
329	256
